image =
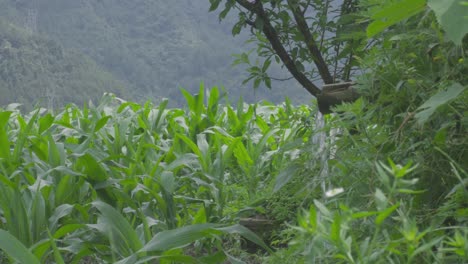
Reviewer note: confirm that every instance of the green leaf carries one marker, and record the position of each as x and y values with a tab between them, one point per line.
66	229
452	16
181	237
59	212
246	233
4	142
101	123
380	199
267	81
385	213
426	247
92	168
117	229
321	207
236	29
45	122
15	249
285	176
168	181
363	214
214	4
442	97
335	228
177	238
266	65
394	13
257	82
57	256
243	156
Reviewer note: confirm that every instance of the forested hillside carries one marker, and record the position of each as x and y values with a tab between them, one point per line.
38	70
375	170
154	47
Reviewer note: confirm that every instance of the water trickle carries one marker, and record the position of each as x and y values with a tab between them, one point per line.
319	139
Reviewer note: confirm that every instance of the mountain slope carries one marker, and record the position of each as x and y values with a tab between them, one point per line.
38	70
154	46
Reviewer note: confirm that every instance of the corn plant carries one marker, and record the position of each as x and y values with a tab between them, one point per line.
124	183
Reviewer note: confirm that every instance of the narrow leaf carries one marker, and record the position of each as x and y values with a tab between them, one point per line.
15	249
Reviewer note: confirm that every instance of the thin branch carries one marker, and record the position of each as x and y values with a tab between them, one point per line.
310	42
273	38
306	6
282	79
250	23
324	29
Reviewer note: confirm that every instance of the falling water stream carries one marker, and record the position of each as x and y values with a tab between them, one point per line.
319	139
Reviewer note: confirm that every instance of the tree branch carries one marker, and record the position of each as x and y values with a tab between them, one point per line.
282	79
273	38
310	42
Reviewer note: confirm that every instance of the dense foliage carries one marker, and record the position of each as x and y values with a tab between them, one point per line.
152	46
36	70
382	180
121	181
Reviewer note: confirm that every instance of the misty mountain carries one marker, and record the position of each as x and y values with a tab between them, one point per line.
37	70
153	47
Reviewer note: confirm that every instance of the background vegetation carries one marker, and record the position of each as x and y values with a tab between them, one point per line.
152	48
382	180
38	70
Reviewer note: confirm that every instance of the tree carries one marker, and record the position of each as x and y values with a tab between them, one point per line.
294	33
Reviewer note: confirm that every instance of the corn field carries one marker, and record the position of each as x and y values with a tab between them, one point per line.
122	182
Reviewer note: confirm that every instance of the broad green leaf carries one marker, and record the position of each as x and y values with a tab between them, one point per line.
263	142
335	229
394	13
363	214
59	212
194	149
92	168
57	256
66	229
380	199
409	191
101	123
452	16
285	176
168	181
313	218
4	142
161	115
385	213
246	233
179	237
15	214
56	152
117	229
186	160
183	236
37	215
242	156
426	247
322	208
203	145
213	101
45	122
200	216
442	97
214	4
15	249
23	135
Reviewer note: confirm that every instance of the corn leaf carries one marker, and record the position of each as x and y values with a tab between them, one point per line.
15	249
